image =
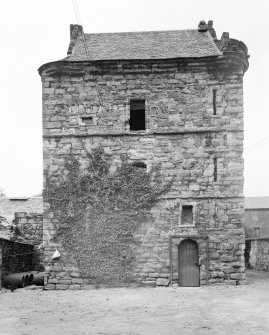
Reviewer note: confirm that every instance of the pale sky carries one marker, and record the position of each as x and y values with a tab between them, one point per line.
34	32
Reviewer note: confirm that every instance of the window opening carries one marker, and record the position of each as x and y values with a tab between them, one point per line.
18	199
137	115
215	169
140	165
88	120
208	140
214	102
186	216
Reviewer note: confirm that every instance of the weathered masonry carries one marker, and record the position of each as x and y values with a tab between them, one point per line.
169	97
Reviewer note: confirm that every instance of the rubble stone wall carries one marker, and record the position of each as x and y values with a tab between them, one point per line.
179	97
29	229
183	135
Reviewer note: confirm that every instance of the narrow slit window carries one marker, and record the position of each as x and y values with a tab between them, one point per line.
140	165
214	102
88	120
215	169
137	115
187	216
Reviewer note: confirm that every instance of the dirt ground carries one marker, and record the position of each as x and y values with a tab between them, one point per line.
139	311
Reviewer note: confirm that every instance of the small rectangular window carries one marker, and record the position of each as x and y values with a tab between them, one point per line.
215	169
186	216
214	102
140	165
137	115
88	120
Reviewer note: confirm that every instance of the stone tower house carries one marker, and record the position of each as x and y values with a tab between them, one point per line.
173	97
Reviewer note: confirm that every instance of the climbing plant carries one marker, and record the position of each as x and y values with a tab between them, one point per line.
98	212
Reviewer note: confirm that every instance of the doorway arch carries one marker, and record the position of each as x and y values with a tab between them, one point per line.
188	264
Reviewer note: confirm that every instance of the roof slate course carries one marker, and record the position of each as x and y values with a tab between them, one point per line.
145	45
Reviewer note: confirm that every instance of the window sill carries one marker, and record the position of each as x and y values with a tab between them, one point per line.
187	225
137	132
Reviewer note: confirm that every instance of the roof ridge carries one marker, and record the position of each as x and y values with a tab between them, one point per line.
141	31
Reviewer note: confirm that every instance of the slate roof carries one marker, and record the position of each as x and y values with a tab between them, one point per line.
145	45
256	202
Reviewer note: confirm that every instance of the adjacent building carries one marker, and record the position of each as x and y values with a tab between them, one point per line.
257	217
257	233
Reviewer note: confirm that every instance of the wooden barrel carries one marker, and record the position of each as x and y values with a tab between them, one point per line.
29	277
26	280
17	280
38	278
14	280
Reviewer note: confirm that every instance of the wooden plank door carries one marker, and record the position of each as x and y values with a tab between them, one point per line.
188	264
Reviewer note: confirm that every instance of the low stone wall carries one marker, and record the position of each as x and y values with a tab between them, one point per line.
259	254
6	230
29	229
15	257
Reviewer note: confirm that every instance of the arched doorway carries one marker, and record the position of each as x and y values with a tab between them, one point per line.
188	264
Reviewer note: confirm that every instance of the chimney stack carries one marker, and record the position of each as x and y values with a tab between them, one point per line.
76	30
202	26
211	29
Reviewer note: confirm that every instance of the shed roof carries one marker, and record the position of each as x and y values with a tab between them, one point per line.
256	202
145	45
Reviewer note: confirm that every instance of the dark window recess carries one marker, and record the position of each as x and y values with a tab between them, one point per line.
18	199
186	215
88	120
140	165
247	254
215	169
137	115
225	139
208	140
214	102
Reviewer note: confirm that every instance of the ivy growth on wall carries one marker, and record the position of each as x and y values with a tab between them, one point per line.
98	213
